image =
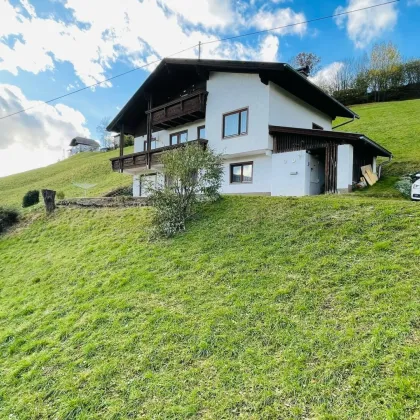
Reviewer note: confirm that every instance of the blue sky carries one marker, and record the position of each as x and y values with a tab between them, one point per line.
51	47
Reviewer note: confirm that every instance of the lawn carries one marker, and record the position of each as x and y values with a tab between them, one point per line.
266	308
90	167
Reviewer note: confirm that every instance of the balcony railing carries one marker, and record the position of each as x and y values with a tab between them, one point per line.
139	160
180	111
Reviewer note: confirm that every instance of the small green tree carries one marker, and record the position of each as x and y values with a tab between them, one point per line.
192	175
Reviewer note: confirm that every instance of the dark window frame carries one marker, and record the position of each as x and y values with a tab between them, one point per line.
316	126
237	111
198	130
241	164
178	137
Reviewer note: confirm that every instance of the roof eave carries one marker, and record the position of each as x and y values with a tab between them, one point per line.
348	111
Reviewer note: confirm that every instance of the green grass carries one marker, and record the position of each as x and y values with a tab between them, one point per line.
91	168
266	308
396	125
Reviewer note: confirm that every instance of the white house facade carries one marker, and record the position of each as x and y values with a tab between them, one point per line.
272	125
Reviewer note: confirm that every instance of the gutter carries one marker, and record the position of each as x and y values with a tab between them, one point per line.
347	122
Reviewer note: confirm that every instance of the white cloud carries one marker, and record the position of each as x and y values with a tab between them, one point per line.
281	17
131	30
39	136
326	75
366	25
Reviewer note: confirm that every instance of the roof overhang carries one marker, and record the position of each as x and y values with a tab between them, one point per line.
83	141
173	75
351	138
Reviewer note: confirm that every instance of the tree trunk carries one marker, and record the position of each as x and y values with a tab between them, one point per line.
49	200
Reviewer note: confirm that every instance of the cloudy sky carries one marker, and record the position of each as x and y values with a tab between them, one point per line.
52	47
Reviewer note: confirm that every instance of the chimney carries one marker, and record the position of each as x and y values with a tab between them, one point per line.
304	70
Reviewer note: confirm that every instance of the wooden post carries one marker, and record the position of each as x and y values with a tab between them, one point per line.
149	133
49	200
122	141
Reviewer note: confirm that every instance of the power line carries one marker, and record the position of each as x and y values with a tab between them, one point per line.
198	45
299	23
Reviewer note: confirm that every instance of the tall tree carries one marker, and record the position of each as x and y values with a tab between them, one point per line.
303	59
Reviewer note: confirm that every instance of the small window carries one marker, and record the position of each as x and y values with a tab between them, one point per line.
180	137
241	173
153	144
201	132
235	123
316	127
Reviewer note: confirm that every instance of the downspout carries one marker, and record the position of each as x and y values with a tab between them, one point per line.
344	123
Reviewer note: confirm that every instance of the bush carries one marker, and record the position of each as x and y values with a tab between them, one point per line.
30	198
192	175
60	195
8	217
404	186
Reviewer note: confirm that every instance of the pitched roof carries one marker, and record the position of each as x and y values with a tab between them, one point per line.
173	75
352	138
84	141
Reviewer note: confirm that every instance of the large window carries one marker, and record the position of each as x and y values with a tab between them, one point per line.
241	173
235	123
201	132
180	137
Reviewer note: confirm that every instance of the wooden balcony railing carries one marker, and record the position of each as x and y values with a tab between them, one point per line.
139	160
180	111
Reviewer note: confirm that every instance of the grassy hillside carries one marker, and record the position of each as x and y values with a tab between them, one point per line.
267	308
91	168
396	125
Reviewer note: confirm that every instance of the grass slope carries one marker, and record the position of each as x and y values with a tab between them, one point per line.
91	168
266	308
396	125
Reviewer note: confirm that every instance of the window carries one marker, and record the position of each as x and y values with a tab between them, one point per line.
316	127
201	132
235	123
152	144
180	137
241	172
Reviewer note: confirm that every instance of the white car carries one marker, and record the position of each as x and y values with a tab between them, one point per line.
415	189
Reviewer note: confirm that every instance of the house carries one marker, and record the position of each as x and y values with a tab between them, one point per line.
82	144
272	124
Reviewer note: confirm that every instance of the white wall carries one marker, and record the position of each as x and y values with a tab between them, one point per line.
230	92
290	174
289	111
344	167
261	176
162	137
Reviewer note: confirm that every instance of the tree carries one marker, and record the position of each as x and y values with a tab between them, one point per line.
105	137
110	140
304	59
385	67
192	175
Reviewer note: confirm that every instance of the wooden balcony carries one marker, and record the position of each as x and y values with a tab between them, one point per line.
180	111
138	161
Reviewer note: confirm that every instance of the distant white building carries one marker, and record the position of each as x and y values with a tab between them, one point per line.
273	125
82	144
